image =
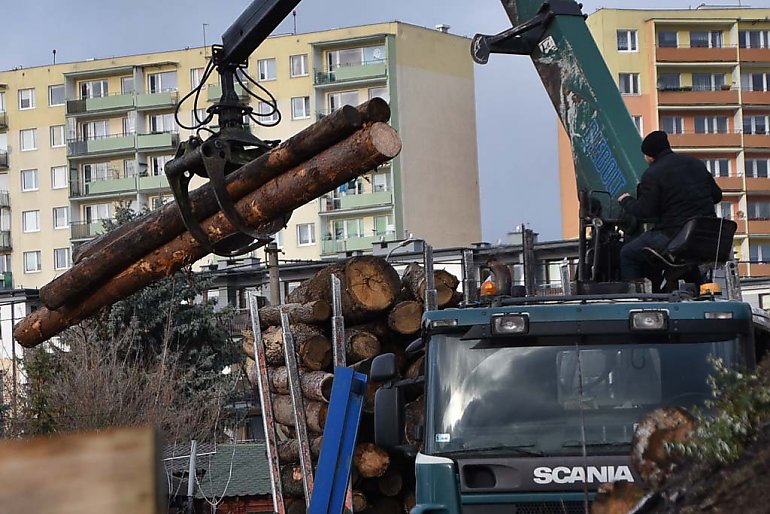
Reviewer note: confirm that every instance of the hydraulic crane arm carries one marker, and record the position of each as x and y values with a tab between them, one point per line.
605	141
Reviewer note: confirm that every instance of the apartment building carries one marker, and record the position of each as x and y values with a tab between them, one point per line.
703	76
79	139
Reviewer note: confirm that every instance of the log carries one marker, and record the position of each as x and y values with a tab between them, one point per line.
119	248
649	454
354	156
409	500
370	460
316	311
315	412
390	483
369	286
288	451
369	395
360	345
315	385
378	328
291	479
313	347
413	281
359	501
414	418
416	369
406	317
385	505
297	506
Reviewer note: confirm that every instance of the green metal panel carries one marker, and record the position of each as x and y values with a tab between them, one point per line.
332	246
153	182
162	99
149	141
111	186
366	200
364	71
108	103
111	144
215	92
437	489
605	141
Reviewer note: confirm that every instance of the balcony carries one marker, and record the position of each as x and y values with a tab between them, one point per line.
757	185
759	226
157	141
3	120
152	183
159	100
81	231
3	160
754	55
366	201
730	183
5	200
692	140
215	92
755	97
351	73
112	144
104	186
757	269
696	55
5	241
100	105
760	141
333	247
687	96
6	280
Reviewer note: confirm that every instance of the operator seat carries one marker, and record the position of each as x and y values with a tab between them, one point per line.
702	240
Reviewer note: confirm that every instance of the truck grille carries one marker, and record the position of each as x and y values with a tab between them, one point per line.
568	507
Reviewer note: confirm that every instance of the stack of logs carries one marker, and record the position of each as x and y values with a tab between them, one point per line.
382	313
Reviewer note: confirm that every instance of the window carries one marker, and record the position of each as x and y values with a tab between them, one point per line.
379	92
198	116
708	81
718	167
57	136
706	39
32	261
724	210
97	171
383	225
196	77
759	210
759	252
61	217
29	180
629	83
305	234
627	41
30	221
278	239
638	123
354	187
28	139
298	65
347	229
380	182
127	85
758	168
754	38
61	258
98	212
755	81
59	177
26	99
129	125
711	125
94	89
300	107
756	124
266	69
56	95
669	81
163	81
158	164
668	39
162	123
2	101
337	100
672	124
95	130
355	57
129	168
159	201
267	113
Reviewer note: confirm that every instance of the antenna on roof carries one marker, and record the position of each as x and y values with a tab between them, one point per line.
294	15
54	55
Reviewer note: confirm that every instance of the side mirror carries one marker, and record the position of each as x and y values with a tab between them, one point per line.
384	368
388	417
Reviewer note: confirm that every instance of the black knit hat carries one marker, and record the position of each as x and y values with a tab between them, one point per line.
655	144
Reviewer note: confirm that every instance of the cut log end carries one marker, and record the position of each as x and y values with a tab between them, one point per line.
406	317
372	282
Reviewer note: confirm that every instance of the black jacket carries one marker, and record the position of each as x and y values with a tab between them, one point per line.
673	189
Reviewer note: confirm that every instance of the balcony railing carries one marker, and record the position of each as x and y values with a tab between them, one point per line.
157	100
3	120
689	96
215	92
730	138
113	143
685	54
5	241
6	280
3	160
157	141
352	72
334	246
81	230
329	204
100	104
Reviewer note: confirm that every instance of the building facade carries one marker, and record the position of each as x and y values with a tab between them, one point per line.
77	140
703	76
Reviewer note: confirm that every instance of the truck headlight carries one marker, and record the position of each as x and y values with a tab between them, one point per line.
503	324
649	320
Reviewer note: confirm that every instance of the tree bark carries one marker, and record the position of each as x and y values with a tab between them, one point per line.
416	369
315	385
288	451
414	417
649	455
119	248
616	498
361	345
313	312
315	412
354	156
406	317
291	479
369	286
414	281
370	460
313	348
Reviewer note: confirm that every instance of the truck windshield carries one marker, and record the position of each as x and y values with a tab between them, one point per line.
529	399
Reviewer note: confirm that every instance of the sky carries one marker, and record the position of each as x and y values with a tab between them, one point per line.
515	121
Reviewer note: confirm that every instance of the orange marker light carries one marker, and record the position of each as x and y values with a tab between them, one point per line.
488	287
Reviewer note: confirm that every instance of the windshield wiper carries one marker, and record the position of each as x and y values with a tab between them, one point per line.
596	444
503	449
